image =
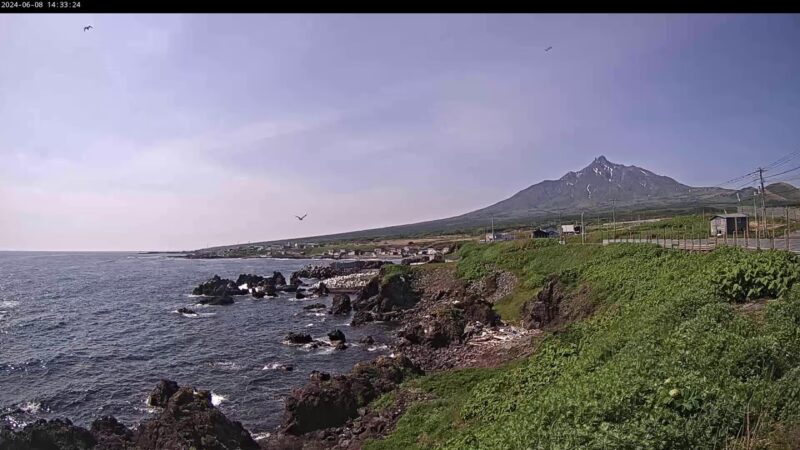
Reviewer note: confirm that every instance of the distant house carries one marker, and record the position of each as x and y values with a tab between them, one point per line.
728	224
570	229
539	234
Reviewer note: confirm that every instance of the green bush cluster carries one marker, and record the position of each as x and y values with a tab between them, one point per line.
742	275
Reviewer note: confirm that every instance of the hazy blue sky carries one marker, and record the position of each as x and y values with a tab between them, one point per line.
181	131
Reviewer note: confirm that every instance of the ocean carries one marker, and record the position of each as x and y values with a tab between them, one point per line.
83	335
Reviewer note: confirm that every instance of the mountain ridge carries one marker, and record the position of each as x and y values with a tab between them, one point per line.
601	186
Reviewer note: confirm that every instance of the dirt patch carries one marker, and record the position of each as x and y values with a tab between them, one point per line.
495	286
489	347
557	306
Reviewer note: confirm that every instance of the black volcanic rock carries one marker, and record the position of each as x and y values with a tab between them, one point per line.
162	392
336	335
218	287
189	420
278	279
111	435
331	401
340	304
315	306
297	338
321	290
217	300
250	280
56	434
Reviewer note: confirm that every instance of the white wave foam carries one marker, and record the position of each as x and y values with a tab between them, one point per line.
9	304
324	350
273	366
227	365
31	407
310	325
260	436
377	347
216	399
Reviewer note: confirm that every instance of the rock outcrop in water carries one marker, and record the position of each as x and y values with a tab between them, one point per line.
187	420
314	306
336	335
217	287
162	392
321	290
190	420
341	304
217	300
298	338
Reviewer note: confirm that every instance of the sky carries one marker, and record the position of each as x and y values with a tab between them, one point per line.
176	132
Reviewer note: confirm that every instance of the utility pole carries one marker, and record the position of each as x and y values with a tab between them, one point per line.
614	216
492	228
583	236
763	196
755	213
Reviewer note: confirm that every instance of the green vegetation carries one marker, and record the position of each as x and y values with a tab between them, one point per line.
671	362
764	274
678	227
530	260
425	423
392	271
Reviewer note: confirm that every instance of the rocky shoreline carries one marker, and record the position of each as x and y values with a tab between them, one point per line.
442	323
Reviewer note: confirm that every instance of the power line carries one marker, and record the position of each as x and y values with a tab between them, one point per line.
783	160
781	173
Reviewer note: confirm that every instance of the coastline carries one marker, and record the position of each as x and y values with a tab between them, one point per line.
398	299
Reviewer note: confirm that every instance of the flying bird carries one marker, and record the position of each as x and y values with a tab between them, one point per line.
87	28
548	48
301	218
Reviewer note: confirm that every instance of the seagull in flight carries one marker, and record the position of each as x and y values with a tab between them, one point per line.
301	218
87	28
548	48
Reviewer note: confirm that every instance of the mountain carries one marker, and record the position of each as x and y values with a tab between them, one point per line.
597	188
601	185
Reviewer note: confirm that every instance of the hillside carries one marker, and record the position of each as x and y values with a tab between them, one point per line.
677	359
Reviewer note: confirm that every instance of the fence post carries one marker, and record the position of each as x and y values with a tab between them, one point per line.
772	240
786	230
746	232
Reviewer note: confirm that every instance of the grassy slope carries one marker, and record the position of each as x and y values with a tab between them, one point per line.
669	363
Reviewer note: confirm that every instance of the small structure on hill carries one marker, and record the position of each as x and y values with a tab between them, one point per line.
728	224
